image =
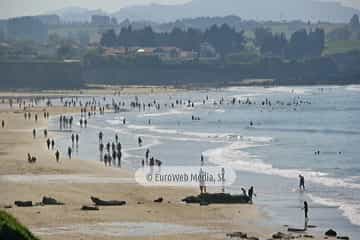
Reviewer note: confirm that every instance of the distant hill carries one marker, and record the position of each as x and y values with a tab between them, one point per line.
76	14
304	10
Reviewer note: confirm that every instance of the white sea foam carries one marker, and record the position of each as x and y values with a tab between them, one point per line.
293	90
220	110
114	121
350	210
179	135
161	114
235	155
353	88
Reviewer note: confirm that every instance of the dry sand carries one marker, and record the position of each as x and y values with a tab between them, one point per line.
74	181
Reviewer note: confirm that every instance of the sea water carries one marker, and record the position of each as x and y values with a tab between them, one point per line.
269	154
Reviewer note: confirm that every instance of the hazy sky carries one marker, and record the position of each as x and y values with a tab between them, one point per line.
11	8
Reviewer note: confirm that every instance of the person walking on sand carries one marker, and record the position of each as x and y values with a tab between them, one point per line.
34	133
202	181
48	142
2	123
301	182
57	155
69	152
52	144
306	212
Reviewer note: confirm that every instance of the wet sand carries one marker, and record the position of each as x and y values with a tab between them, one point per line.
74	181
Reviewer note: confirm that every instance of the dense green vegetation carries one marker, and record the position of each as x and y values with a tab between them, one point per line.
11	229
341	46
40	75
224	38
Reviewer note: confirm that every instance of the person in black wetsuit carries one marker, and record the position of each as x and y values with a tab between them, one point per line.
301	182
306	211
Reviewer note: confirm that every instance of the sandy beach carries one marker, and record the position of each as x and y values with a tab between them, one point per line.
74	181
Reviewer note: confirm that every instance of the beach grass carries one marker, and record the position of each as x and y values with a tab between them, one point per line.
10	228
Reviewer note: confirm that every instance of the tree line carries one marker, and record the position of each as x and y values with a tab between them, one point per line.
223	38
301	44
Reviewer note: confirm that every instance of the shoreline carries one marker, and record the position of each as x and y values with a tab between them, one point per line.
223	217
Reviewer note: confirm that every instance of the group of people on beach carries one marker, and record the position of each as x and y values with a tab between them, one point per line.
111	152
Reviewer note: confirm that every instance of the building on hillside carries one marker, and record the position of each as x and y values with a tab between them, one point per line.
49	19
187	55
113	21
146	51
114	52
100	20
167	53
207	50
26	29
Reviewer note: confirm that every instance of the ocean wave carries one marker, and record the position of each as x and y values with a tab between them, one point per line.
161	114
230	155
197	136
353	88
114	121
349	209
293	90
309	130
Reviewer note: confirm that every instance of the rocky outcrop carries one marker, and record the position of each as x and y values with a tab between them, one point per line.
99	202
217	198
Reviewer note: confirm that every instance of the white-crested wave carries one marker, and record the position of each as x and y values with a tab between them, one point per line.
349	209
234	155
161	114
353	88
180	135
293	90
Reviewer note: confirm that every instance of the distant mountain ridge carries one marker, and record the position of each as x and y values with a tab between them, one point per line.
260	10
304	10
77	14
